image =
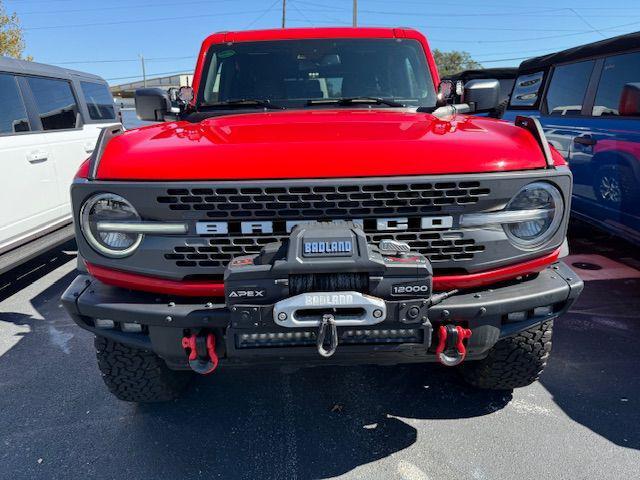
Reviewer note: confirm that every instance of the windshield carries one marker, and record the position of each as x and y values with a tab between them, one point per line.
289	73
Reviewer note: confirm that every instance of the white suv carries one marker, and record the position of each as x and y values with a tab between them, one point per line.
50	119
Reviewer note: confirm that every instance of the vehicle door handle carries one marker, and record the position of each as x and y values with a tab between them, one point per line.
585	140
89	147
38	156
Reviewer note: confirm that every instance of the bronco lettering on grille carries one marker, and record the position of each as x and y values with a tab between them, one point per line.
382	225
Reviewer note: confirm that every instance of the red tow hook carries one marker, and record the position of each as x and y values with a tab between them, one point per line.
202	352
451	350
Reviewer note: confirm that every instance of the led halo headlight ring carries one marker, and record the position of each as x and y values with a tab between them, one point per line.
535	240
87	230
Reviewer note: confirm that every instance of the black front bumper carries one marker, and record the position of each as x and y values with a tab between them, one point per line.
491	314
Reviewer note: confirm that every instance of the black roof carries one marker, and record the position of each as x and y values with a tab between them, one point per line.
613	45
497	73
12	65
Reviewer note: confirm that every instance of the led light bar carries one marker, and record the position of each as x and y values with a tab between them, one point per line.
306	338
151	228
504	217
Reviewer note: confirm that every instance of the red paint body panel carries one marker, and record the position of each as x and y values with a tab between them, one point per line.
192	288
318	144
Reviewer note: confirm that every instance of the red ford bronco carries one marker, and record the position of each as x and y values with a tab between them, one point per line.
313	200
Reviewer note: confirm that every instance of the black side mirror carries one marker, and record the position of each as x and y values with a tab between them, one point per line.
152	104
630	100
482	95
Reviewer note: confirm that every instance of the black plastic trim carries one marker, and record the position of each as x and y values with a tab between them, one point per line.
106	134
533	125
483	311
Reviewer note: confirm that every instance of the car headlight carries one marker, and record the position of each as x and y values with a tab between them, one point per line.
104	208
541	207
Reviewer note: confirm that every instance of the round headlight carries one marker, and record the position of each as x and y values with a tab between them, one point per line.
104	208
543	203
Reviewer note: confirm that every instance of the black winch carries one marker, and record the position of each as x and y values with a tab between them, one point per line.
324	276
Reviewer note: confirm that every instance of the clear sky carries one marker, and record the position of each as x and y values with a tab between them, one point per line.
106	37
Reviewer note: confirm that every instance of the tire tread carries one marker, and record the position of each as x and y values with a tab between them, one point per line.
135	375
513	362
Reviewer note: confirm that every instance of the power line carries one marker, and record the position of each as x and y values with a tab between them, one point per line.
120	7
158	74
306	19
157	59
147	20
537	13
259	17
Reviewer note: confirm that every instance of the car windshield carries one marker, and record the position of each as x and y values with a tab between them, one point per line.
290	73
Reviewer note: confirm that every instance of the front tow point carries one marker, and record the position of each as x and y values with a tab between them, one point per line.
328	323
451	350
201	350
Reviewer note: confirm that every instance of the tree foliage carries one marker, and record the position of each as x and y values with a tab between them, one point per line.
450	63
11	37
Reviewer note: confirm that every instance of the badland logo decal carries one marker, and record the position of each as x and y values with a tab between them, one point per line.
328	248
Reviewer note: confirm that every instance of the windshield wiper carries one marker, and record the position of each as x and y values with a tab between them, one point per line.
245	102
352	100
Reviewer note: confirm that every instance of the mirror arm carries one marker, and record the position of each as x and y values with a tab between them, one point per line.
451	110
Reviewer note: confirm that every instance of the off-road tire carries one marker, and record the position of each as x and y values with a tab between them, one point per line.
513	362
136	375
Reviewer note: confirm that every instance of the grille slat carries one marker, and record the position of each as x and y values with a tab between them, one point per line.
218	253
324	202
333	202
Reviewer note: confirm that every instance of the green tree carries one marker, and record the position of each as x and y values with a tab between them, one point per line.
11	38
450	63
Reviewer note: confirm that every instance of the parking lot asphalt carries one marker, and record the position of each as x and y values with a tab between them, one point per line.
581	421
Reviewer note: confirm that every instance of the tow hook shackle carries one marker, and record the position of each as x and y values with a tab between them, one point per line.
328	324
451	350
201	349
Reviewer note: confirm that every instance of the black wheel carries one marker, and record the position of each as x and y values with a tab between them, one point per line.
135	375
615	185
513	362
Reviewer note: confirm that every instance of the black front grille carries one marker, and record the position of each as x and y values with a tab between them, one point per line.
323	201
437	246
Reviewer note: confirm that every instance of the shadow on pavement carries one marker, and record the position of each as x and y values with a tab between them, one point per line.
22	276
238	423
268	423
315	423
593	371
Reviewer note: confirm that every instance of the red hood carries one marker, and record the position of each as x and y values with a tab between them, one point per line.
318	144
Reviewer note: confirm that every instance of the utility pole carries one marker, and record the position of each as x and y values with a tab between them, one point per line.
144	72
355	13
284	13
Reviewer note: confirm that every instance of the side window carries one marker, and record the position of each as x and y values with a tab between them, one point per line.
56	104
527	89
99	101
568	88
619	85
13	114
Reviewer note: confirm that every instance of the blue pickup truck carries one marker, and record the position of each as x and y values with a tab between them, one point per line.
588	101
